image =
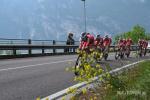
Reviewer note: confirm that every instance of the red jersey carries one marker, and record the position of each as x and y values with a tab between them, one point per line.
98	41
107	41
88	43
140	42
145	44
124	42
128	42
120	43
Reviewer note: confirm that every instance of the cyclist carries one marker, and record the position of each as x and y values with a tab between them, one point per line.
90	40
145	44
128	46
120	43
87	41
141	47
82	40
140	43
107	41
124	43
98	41
129	42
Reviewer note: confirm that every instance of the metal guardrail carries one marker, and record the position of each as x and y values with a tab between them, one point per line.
29	45
30	41
12	46
66	49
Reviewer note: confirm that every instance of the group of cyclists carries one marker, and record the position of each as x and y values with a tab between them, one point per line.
102	45
88	41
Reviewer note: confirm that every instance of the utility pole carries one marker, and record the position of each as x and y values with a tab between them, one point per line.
84	13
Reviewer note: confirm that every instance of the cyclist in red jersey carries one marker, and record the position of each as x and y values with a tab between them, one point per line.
145	44
82	40
129	42
87	41
128	47
107	41
142	46
124	42
90	41
140	43
120	43
98	41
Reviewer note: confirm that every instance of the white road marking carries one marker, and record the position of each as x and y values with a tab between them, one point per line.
21	67
8	61
35	65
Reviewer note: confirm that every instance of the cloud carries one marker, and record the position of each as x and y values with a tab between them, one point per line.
71	26
142	1
40	1
109	23
32	33
133	1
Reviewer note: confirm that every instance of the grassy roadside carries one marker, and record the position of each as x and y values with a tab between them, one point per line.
130	85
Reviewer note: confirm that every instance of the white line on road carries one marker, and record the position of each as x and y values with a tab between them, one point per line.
35	65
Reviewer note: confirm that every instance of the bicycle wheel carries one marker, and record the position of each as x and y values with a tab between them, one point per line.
77	65
116	55
128	52
106	51
121	53
140	51
145	50
106	56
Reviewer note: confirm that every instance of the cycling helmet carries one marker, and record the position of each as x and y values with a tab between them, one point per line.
88	33
106	36
83	34
98	35
70	34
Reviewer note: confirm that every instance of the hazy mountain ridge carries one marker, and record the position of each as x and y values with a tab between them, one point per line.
51	19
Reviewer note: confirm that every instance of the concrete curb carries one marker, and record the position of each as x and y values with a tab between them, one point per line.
59	95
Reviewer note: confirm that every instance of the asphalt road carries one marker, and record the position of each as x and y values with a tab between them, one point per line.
29	78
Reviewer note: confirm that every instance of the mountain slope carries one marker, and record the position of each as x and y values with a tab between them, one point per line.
53	19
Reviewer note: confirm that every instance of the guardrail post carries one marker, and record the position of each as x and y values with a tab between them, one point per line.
30	50
14	52
74	50
54	43
43	52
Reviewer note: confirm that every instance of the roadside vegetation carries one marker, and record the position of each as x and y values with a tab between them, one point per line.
130	85
135	33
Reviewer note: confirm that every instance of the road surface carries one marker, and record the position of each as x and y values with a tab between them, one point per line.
29	78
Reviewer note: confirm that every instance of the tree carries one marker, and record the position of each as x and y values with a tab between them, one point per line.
137	32
148	36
